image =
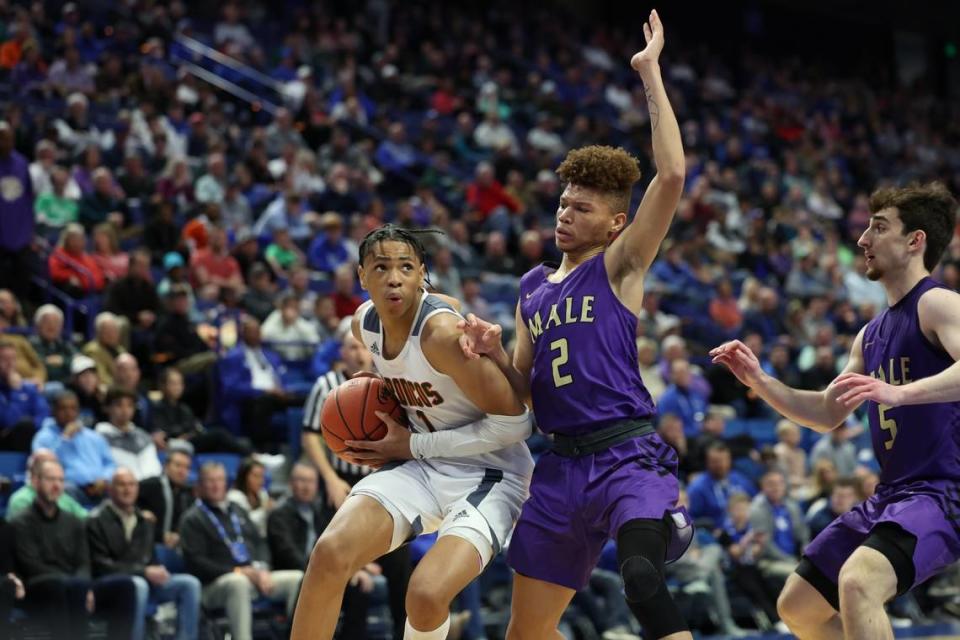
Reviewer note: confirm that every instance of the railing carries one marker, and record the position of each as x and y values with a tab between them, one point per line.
208	64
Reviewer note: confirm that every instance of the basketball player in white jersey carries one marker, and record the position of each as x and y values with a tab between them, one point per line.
461	469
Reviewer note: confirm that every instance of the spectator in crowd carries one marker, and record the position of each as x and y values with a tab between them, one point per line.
128	378
329	249
650	368
113	262
792	458
709	492
344	291
258	299
168	496
486	196
178	341
213	268
837	447
703	562
121	543
714	430
177	274
724	307
252	389
18	221
49	344
212	185
105	347
130	446
744	546
249	492
215	535
299	287
103	204
23	498
84	453
292	336
72	269
53	559
781	522
293	529
843	497
57	208
22	406
682	399
85	383
282	254
134	295
172	419
286	212
28	364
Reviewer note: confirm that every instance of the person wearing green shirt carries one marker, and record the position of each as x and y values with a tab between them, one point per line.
53	208
283	254
23	497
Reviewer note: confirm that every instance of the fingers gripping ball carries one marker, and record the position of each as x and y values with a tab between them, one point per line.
349	412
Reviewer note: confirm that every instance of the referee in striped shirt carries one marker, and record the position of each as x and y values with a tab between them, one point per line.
339	476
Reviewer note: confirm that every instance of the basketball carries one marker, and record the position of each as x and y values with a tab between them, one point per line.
349	412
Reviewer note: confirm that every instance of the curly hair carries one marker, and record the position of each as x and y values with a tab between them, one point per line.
611	171
928	207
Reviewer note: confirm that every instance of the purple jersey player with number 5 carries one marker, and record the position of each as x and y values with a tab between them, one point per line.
904	365
608	474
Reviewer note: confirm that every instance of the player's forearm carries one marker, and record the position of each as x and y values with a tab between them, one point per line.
665	131
490	434
519	382
943	387
813	409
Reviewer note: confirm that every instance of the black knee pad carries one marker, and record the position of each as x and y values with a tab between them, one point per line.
641	579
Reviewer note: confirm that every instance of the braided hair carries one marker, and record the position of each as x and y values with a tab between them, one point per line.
391	232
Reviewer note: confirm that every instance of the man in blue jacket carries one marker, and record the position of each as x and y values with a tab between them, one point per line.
22	407
251	388
710	491
84	453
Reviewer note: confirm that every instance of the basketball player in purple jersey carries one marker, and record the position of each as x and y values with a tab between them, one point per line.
904	364
608	473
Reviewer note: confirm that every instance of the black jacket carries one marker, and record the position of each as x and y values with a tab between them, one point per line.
151	499
206	555
130	295
175	420
287	534
178	336
54	546
110	551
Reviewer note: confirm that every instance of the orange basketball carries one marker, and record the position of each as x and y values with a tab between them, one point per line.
349	412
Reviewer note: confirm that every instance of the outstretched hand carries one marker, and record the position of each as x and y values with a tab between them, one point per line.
375	453
479	336
653	34
857	388
741	361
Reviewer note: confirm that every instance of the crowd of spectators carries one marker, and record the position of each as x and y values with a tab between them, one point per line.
177	263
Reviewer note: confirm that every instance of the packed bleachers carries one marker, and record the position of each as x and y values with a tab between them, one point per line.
185	186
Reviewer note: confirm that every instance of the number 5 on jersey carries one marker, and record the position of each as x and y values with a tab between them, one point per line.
559	360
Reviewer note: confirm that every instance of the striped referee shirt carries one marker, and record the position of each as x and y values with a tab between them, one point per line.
311	421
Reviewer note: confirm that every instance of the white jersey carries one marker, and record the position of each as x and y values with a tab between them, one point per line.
433	401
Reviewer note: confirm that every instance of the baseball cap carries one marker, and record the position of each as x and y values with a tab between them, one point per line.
81	363
172	260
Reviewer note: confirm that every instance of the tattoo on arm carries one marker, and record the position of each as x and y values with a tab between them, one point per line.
652	109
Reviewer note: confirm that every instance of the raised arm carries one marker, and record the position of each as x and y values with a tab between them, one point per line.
820	410
938	310
635	249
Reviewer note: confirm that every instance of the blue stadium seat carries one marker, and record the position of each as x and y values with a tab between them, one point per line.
13	465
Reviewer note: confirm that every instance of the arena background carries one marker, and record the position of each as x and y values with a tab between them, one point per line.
281	133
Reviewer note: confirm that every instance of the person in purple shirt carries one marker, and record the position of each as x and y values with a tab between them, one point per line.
903	364
16	216
608	474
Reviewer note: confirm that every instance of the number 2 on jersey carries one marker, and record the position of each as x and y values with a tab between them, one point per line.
561	359
887	424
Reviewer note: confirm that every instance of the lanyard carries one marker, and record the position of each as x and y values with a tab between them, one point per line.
237	547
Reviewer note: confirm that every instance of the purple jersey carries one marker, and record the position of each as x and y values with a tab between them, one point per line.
585	370
915	442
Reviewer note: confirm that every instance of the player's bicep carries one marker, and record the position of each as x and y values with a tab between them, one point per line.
636	248
938	310
357	316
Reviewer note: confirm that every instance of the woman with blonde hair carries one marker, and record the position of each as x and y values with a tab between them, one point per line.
113	262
